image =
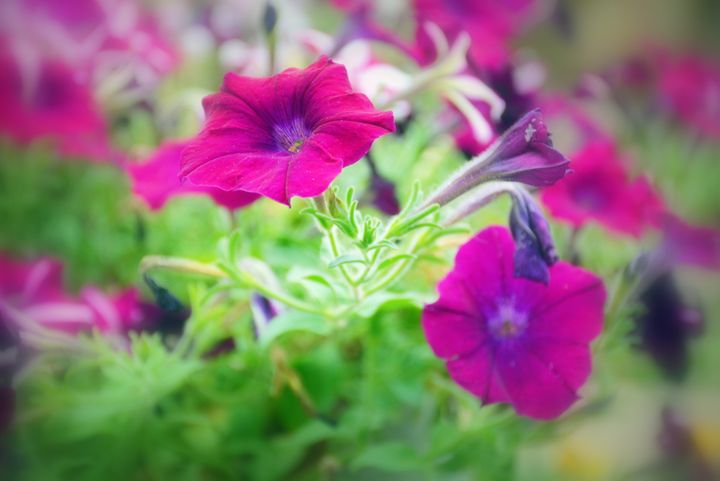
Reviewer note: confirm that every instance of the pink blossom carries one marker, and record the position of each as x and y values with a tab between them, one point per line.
688	244
33	293
48	101
600	189
490	25
689	86
510	340
157	180
283	136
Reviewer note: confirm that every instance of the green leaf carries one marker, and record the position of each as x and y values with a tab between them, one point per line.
382	299
392	260
346	259
390	456
293	321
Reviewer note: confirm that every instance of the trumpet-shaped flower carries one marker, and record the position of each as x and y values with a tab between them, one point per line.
600	189
283	136
157	180
509	340
47	101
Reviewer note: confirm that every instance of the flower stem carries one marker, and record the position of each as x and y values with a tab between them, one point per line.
181	265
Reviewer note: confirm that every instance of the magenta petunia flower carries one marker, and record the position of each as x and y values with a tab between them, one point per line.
283	136
600	189
692	245
47	101
32	292
157	180
490	24
689	86
509	340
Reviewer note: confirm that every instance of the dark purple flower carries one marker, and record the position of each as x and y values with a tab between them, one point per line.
263	311
666	325
283	136
523	154
535	250
382	191
509	340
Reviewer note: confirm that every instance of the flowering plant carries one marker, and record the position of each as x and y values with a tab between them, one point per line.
387	253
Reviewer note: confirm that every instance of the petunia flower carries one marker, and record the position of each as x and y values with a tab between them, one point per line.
32	295
47	101
689	87
535	250
523	154
157	180
691	245
491	25
510	340
600	189
283	136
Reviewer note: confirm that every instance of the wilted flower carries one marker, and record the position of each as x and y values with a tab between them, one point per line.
382	191
157	180
534	246
523	154
666	325
510	340
287	135
600	189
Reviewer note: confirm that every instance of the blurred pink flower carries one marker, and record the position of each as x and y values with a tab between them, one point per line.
31	294
96	37
157	180
48	101
600	189
490	25
689	86
510	340
283	136
697	246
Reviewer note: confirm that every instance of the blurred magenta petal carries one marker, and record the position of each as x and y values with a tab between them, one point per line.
157	180
507	339
689	86
283	136
697	246
490	24
47	101
600	189
33	292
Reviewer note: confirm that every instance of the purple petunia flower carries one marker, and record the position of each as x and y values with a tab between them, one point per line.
283	136
156	181
510	340
524	154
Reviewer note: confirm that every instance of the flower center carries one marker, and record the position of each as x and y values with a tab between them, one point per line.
507	323
291	135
